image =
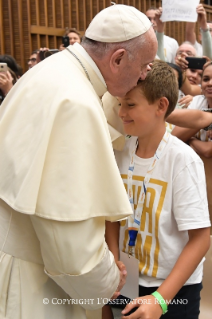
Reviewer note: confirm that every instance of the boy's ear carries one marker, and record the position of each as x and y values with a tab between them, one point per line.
163	105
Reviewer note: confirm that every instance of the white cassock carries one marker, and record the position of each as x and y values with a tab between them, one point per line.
59	182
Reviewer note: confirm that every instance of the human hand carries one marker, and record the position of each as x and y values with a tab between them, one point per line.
202	17
207	59
41	53
181	61
160	24
61	48
148	307
185	101
6	82
123	276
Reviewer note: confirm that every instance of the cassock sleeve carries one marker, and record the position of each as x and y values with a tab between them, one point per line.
77	258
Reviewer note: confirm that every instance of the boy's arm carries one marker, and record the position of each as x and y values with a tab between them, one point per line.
192	254
195	119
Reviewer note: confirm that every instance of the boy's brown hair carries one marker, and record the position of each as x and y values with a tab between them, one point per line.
160	82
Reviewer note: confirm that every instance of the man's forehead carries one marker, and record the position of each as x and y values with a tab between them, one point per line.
186	47
150	12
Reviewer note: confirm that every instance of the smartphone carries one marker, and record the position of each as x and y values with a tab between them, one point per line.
65	41
3	67
195	63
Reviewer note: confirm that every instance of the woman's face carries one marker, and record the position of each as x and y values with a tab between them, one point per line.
73	37
207	82
194	76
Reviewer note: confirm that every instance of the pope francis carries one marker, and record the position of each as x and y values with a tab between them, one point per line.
59	181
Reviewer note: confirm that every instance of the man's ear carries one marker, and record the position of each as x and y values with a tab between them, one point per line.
118	60
163	105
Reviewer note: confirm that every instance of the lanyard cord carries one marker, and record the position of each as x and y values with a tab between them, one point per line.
134	224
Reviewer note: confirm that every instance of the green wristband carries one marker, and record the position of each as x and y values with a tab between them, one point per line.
160	301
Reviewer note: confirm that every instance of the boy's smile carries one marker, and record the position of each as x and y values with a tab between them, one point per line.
138	116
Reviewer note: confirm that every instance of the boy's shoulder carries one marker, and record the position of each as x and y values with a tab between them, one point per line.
181	151
176	151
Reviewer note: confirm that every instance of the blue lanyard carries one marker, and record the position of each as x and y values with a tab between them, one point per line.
134	223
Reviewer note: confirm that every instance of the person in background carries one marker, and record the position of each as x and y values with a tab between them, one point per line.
200	142
12	64
191	78
204	36
74	36
7	80
167	46
32	61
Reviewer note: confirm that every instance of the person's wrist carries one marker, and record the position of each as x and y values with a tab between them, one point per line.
160	301
204	28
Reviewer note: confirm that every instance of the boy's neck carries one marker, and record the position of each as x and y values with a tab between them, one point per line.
148	145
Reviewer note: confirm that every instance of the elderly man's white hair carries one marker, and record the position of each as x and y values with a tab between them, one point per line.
99	49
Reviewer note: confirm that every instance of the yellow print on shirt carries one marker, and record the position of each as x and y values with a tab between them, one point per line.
147	244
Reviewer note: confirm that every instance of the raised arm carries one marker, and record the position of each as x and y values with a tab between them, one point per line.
205	33
190	34
160	34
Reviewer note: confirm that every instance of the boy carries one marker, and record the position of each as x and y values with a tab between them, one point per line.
165	182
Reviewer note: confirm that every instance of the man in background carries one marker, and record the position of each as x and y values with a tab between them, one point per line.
169	45
32	59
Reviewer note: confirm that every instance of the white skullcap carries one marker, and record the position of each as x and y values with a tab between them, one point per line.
117	23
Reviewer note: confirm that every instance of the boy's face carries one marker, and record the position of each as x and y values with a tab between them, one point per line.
138	116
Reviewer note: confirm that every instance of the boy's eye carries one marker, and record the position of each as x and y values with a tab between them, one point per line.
131	105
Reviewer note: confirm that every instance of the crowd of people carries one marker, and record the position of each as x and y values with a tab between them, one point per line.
68	205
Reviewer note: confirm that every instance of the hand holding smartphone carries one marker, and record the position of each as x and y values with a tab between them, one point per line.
3	67
195	63
65	41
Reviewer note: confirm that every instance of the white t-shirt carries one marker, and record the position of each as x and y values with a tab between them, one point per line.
199	102
176	201
198	48
170	49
